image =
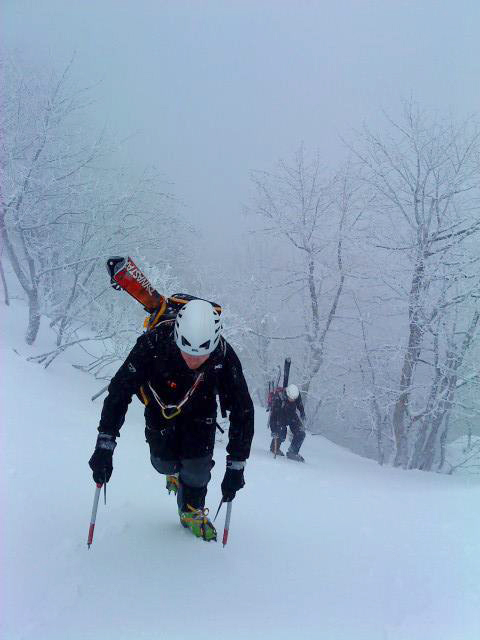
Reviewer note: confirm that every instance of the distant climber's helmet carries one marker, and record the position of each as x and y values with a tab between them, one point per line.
292	392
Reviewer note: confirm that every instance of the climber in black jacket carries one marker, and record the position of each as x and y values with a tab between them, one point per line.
177	370
287	411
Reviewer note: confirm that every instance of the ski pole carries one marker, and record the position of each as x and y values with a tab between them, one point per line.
227	523
219	507
99	393
94	514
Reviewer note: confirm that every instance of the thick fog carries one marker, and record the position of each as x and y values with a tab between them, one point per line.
208	91
312	166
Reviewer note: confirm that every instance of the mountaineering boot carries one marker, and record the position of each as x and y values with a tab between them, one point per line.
295	456
172	483
272	448
196	520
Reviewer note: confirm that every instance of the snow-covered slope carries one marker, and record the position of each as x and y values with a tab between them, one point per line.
336	549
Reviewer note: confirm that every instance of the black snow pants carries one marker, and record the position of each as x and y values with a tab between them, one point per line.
298	433
185	447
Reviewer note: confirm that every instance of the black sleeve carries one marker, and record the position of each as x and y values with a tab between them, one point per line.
275	416
125	383
240	405
300	408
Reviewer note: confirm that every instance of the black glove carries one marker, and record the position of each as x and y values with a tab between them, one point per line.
101	461
233	479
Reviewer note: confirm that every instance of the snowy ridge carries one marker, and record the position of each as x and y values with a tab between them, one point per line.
336	549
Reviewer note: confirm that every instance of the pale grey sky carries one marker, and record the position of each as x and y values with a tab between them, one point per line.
214	89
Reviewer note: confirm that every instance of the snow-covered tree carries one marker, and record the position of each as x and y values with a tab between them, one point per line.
422	177
310	214
65	210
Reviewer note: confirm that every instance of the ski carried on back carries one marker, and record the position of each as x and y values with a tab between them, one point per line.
126	276
273	390
274	385
286	371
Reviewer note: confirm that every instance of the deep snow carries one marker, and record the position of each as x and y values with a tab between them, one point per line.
336	549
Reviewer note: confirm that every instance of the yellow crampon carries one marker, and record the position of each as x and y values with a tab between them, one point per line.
172	483
197	521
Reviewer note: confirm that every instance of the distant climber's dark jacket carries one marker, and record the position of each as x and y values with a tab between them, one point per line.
156	360
284	411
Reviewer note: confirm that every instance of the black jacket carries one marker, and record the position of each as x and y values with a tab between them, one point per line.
284	411
155	363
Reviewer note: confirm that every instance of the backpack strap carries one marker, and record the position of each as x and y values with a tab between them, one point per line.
222	395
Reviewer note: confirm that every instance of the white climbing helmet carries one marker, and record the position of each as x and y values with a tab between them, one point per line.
197	328
292	392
